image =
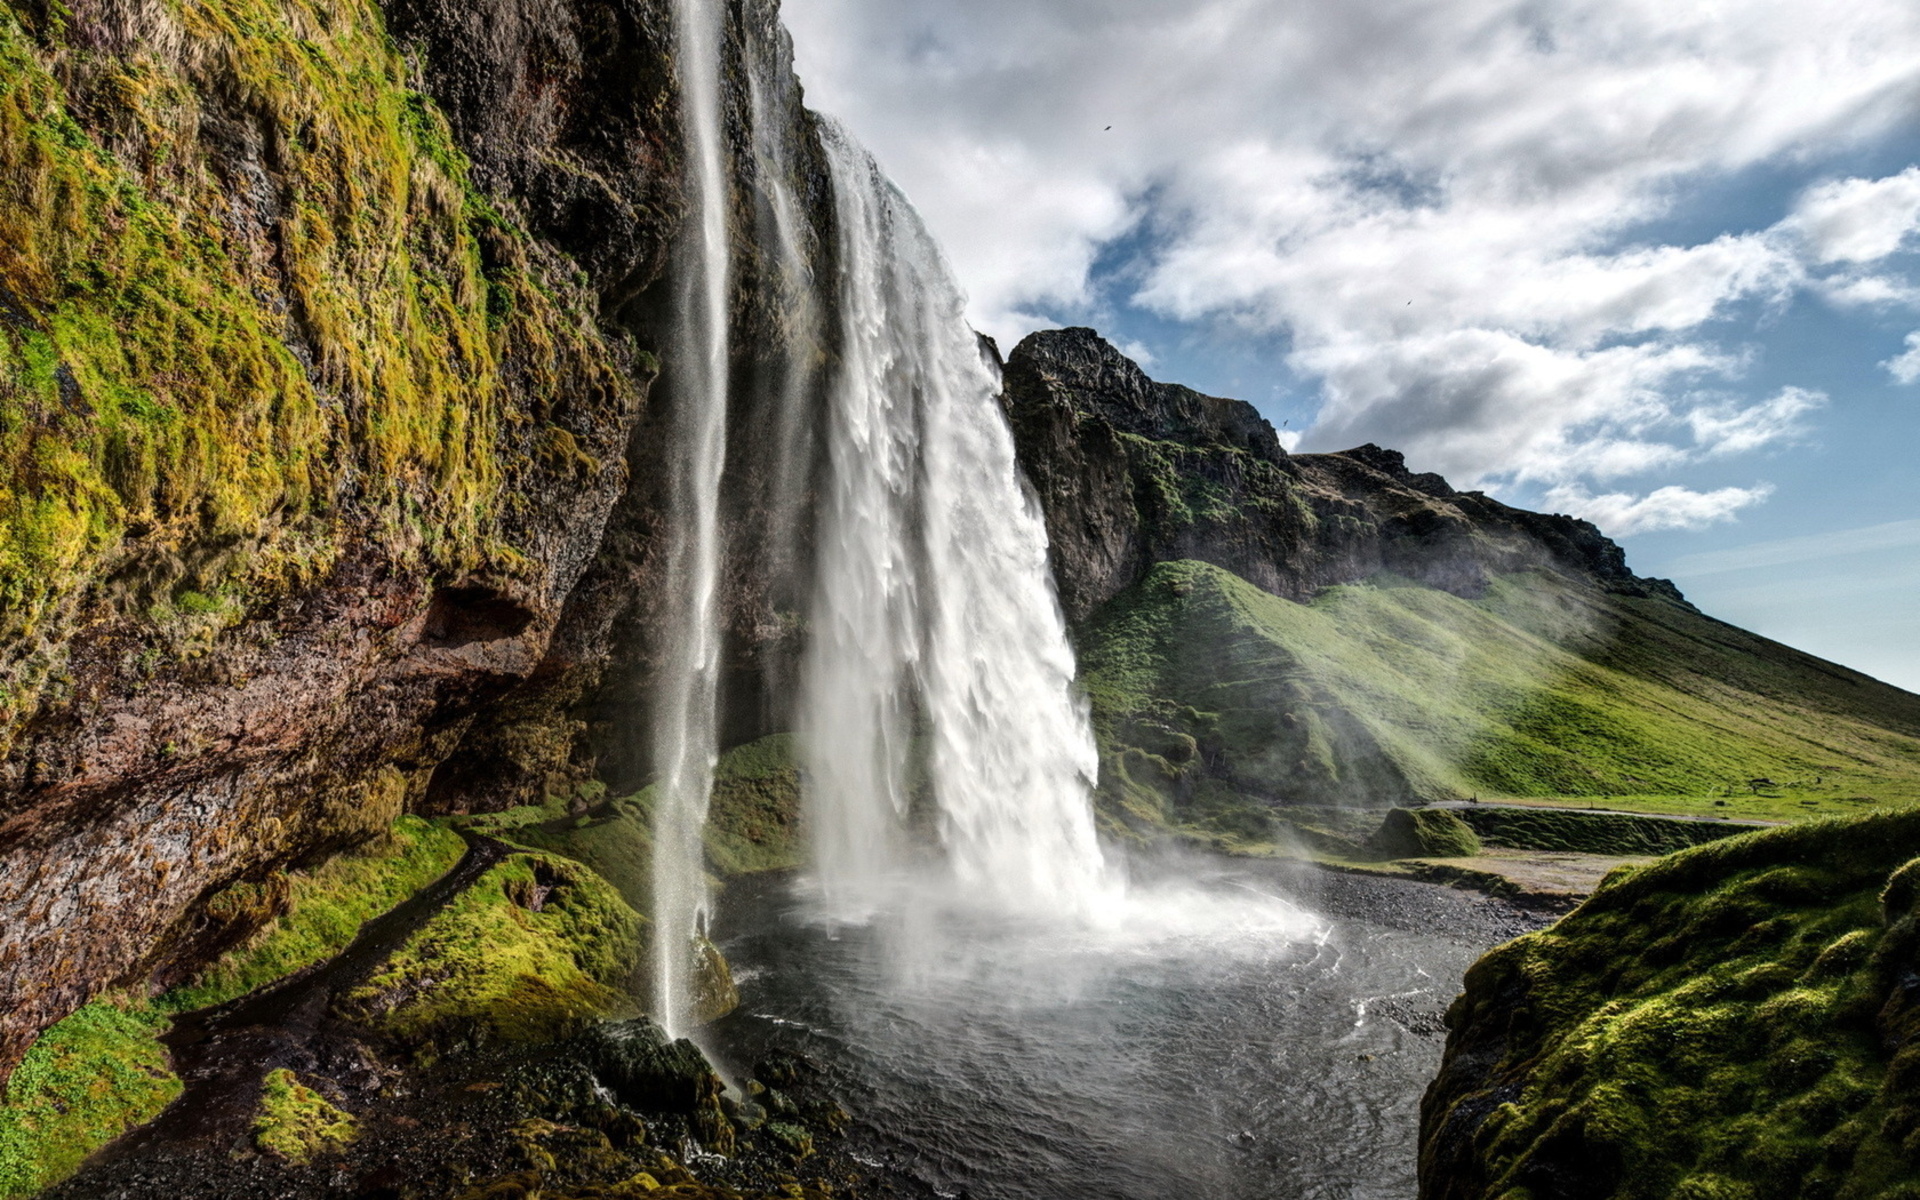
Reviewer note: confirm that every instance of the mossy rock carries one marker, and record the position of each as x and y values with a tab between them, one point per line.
86	1081
298	1124
537	948
321	909
1424	833
1734	1020
644	1068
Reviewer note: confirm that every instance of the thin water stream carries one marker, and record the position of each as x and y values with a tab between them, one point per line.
1244	1033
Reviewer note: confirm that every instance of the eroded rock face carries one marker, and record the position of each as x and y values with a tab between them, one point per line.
460	630
1131	473
172	757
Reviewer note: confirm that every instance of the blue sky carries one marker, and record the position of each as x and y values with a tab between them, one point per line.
1649	262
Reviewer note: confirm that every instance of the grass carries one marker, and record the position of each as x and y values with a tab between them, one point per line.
752	823
1726	1022
1590	832
1390	692
86	1081
538	947
325	908
104	1070
297	1123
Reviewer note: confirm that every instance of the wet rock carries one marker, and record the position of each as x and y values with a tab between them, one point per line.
640	1065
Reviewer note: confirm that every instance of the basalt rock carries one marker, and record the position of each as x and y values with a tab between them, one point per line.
1132	473
357	460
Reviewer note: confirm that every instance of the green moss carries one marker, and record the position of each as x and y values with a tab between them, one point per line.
752	822
1713	1024
326	907
1424	833
1590	832
539	946
195	364
297	1123
86	1081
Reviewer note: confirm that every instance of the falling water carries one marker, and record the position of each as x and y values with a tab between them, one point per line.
684	730
774	105
939	680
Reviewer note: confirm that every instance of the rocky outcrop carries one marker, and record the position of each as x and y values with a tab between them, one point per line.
1735	1020
358	484
1131	473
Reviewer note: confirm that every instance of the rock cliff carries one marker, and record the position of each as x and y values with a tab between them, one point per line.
1133	472
327	336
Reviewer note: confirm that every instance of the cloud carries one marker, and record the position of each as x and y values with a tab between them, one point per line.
1905	367
1859	220
1783	552
1438	204
1620	514
1728	428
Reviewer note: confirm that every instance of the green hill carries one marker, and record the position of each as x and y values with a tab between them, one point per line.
1215	699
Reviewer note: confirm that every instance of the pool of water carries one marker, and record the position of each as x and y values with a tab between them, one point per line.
1224	1033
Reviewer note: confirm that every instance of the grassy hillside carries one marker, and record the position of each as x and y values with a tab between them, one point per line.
1213	697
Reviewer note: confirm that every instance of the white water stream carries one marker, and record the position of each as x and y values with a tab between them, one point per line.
938	683
684	734
948	761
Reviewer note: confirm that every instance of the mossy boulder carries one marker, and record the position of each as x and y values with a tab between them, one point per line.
644	1068
298	1124
1741	1019
1424	833
537	948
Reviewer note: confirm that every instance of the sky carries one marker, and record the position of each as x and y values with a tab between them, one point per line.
1655	263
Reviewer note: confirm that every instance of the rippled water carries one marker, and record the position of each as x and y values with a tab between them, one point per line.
1222	1038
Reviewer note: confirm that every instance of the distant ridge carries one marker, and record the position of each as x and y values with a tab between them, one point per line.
1260	630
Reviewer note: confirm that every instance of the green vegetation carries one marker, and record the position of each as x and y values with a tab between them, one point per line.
188	362
1216	702
537	947
752	823
86	1081
297	1123
104	1070
1424	833
1732	1021
325	908
1591	832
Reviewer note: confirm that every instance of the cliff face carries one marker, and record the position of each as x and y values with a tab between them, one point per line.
326	335
1133	472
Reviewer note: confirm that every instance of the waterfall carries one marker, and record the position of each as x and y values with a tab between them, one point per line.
774	106
684	747
938	684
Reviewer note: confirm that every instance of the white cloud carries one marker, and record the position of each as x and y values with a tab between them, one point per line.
1620	514
1859	220
1728	428
1433	200
1783	552
1905	366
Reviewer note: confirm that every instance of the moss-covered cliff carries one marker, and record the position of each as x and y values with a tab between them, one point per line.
329	480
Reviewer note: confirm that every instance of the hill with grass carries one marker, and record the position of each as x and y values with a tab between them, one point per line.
1261	632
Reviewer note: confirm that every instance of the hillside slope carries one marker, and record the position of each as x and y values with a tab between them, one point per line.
1735	1021
1259	629
1387	691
